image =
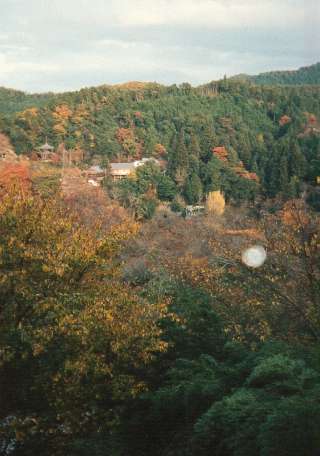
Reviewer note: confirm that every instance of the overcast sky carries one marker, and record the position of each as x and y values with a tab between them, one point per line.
61	45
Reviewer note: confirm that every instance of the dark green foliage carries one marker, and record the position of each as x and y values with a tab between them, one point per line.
314	200
146	207
176	206
193	189
227	401
305	75
298	163
166	188
188	122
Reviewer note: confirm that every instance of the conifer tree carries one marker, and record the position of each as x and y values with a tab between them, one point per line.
298	163
166	188
178	164
193	189
194	146
208	141
283	174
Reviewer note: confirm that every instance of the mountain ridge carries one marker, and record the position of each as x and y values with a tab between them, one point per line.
306	75
310	73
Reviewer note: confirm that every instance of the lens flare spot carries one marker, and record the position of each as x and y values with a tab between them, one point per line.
254	256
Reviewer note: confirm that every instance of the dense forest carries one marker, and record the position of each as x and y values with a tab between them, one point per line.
244	139
304	76
129	330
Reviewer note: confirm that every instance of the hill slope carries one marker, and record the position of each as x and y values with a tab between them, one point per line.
269	131
306	75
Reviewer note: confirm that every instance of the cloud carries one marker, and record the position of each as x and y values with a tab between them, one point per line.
215	13
59	44
8	67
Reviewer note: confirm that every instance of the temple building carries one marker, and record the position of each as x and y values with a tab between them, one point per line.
123	170
46	151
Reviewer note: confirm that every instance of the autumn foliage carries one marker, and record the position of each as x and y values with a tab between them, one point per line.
215	203
66	316
221	153
131	146
14	175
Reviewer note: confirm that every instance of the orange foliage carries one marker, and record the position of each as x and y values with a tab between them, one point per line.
221	153
242	172
15	174
295	215
250	233
284	120
62	112
160	150
129	142
124	134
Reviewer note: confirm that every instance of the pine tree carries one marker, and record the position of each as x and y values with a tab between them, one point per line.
194	146
298	163
166	188
193	189
293	188
181	151
178	163
208	141
283	174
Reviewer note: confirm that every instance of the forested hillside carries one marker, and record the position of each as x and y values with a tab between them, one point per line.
127	329
304	76
14	100
270	134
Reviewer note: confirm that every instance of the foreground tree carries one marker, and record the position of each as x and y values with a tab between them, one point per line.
73	338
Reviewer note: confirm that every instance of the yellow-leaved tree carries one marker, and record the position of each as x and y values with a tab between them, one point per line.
215	203
73	337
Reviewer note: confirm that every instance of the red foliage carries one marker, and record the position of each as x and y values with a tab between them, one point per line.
129	142
55	158
15	174
242	172
221	153
284	120
34	156
312	119
252	176
124	134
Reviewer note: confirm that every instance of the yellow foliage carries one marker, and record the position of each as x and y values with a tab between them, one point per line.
59	289
215	203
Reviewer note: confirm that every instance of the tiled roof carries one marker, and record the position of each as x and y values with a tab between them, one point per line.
122	166
46	146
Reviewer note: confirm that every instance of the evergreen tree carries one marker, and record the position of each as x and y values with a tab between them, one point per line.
194	146
181	155
283	174
211	175
298	163
178	163
166	188
208	141
293	188
193	189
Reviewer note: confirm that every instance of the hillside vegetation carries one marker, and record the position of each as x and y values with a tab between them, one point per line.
303	76
127	329
271	132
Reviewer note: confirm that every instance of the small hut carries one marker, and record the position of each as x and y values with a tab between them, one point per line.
46	151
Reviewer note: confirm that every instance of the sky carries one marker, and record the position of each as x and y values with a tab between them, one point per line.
59	45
